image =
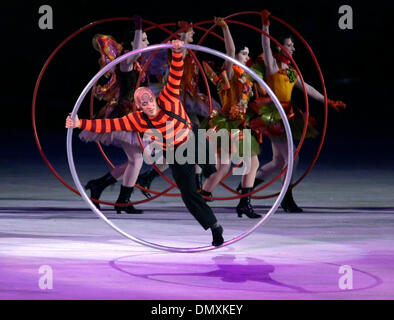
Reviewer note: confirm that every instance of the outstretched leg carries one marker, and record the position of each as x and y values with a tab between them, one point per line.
184	177
134	164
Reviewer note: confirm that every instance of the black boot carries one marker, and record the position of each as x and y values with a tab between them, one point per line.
217	235
239	187
257	181
288	204
199	181
124	197
97	186
244	206
207	194
145	179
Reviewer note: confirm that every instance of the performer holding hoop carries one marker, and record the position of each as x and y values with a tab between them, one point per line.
155	116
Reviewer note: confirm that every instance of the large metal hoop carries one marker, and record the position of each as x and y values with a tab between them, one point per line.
154	245
38	82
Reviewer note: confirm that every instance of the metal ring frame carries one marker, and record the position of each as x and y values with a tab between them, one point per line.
253	192
151	244
208	31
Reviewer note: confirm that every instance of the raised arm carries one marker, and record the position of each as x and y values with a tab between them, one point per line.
127	65
229	44
185	26
127	123
271	66
172	88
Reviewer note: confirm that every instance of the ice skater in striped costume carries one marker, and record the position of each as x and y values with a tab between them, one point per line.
166	116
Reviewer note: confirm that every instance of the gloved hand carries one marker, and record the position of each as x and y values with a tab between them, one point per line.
176	45
72	123
336	104
220	22
137	22
265	17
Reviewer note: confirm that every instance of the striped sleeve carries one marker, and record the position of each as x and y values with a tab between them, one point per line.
126	123
171	90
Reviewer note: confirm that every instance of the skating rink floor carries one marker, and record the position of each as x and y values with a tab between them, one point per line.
346	230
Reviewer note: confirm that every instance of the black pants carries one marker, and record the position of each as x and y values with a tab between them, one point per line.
207	168
184	175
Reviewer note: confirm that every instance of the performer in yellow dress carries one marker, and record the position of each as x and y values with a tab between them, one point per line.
282	78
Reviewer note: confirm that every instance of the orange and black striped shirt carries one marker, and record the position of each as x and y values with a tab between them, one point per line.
173	131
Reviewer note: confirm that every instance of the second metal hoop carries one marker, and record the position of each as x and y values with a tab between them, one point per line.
154	245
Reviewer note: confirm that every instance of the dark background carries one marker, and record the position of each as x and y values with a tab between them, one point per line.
356	63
